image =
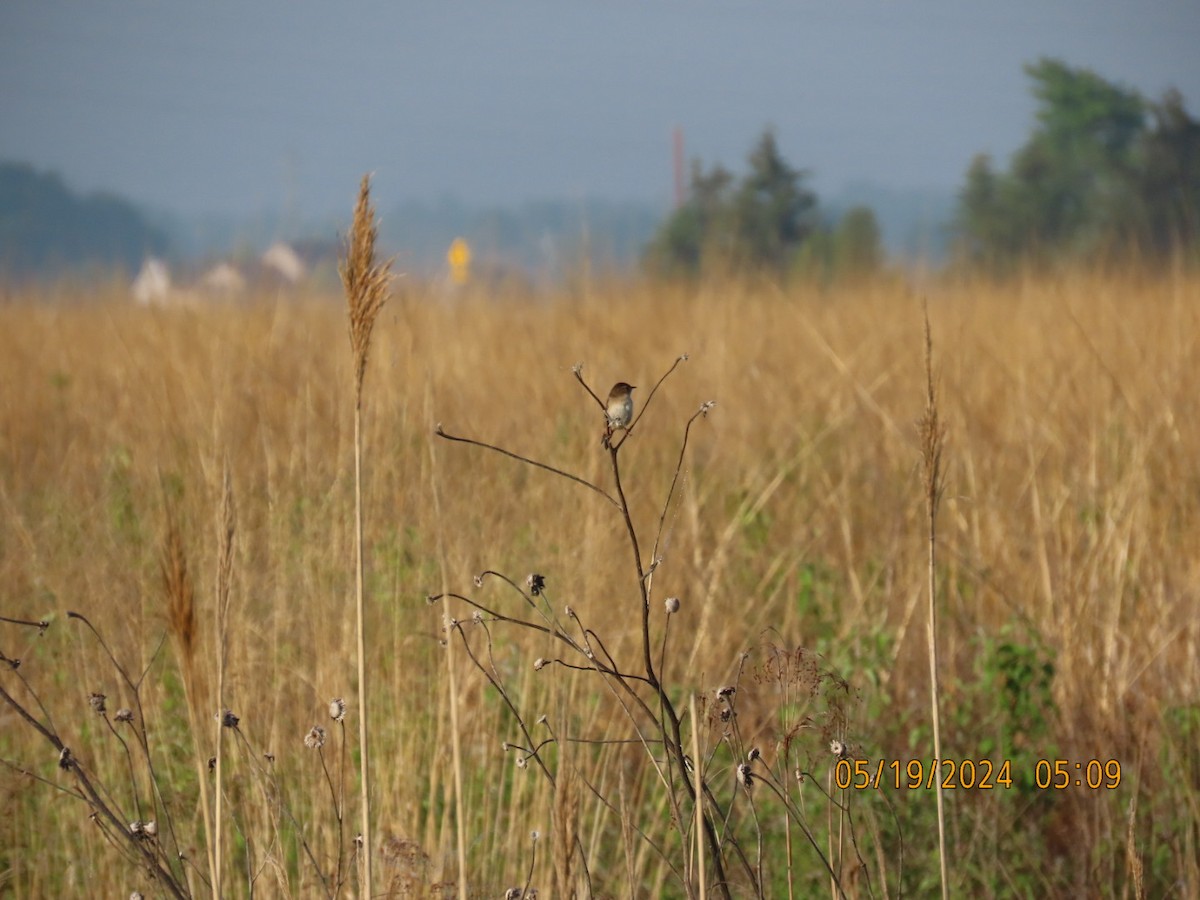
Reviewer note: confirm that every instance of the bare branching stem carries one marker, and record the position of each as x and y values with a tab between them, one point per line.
442	433
666	718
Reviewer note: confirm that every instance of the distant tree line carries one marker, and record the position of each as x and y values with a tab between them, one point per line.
45	227
1105	174
768	221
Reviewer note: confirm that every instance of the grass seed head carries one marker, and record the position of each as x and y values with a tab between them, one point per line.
364	280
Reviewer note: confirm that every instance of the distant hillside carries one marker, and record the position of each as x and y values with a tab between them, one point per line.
46	228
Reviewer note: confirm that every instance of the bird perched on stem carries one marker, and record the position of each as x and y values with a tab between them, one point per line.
619	410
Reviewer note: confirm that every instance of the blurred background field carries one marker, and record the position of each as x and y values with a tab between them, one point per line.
1068	577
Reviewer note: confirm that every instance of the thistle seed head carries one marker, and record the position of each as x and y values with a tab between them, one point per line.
744	776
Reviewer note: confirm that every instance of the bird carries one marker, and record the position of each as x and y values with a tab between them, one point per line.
619	409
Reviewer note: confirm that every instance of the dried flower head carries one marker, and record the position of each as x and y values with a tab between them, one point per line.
228	719
744	776
124	714
522	762
838	749
536	582
136	895
337	709
212	764
534	835
477	617
478	579
96	702
358	841
539	664
269	757
143	830
315	739
541	720
65	760
570	613
726	692
672	605
755	753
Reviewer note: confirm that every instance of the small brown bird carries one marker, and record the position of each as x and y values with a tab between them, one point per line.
619	410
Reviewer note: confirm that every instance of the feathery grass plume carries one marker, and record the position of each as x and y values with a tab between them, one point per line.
181	596
565	833
365	283
932	435
181	622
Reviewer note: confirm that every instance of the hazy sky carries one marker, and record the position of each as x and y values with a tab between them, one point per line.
248	105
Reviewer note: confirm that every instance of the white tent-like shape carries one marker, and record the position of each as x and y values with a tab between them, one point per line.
283	260
153	282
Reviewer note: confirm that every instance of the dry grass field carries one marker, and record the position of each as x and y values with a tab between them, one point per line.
1068	585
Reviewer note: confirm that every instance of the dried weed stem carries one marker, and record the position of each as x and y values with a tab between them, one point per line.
932	436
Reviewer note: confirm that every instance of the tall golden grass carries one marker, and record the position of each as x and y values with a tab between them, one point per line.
1068	527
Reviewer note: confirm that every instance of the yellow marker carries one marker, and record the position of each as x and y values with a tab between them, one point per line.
459	257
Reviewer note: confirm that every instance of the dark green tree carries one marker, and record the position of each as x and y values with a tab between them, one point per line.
701	227
1168	179
857	244
756	223
1073	176
1095	178
774	212
981	220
